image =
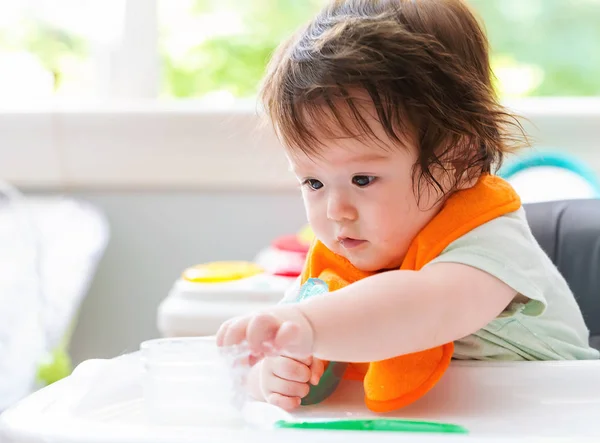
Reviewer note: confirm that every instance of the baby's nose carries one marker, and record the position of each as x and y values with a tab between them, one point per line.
340	208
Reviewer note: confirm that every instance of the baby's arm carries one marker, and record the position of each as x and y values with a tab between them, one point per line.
383	316
400	312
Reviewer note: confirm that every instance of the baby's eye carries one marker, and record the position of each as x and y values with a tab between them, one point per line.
363	180
313	184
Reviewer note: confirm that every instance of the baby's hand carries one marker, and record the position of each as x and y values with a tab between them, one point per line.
284	330
284	382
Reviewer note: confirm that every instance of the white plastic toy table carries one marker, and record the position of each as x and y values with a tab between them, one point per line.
528	401
198	308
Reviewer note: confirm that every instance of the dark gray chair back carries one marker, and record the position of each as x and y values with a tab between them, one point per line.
569	232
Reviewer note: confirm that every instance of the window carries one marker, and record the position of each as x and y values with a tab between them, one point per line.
544	47
216	50
539	47
219	48
56	49
177	80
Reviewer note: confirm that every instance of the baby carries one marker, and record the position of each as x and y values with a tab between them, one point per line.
389	120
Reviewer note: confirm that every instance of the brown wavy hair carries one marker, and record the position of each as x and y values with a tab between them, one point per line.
422	65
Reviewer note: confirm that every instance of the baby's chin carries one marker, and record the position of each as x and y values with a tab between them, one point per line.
366	260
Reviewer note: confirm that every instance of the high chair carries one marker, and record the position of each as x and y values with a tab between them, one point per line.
569	232
103	401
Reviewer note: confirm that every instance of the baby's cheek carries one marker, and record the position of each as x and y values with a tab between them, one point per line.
392	246
319	225
388	230
313	214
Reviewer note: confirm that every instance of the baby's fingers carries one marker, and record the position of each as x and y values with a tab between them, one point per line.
286	387
285	403
316	369
220	337
262	330
292	370
233	332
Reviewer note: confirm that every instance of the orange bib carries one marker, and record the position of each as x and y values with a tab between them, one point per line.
394	383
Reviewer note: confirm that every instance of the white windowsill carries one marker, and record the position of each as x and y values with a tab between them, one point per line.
182	145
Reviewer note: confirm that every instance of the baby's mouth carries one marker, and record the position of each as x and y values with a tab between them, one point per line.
350	243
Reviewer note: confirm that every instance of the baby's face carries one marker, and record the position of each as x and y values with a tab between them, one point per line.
361	203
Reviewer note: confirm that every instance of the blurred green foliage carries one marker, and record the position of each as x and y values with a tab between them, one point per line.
53	47
560	38
234	62
539	47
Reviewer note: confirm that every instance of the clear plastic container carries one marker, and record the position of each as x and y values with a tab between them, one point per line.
191	382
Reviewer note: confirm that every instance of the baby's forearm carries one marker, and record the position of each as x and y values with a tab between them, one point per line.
373	319
401	312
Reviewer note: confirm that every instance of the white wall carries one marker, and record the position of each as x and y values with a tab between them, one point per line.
154	237
178	146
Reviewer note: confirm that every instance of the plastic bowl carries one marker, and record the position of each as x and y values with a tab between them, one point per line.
190	381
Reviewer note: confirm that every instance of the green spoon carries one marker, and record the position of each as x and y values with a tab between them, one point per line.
377	424
266	416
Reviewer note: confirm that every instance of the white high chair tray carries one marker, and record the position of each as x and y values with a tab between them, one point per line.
545	401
